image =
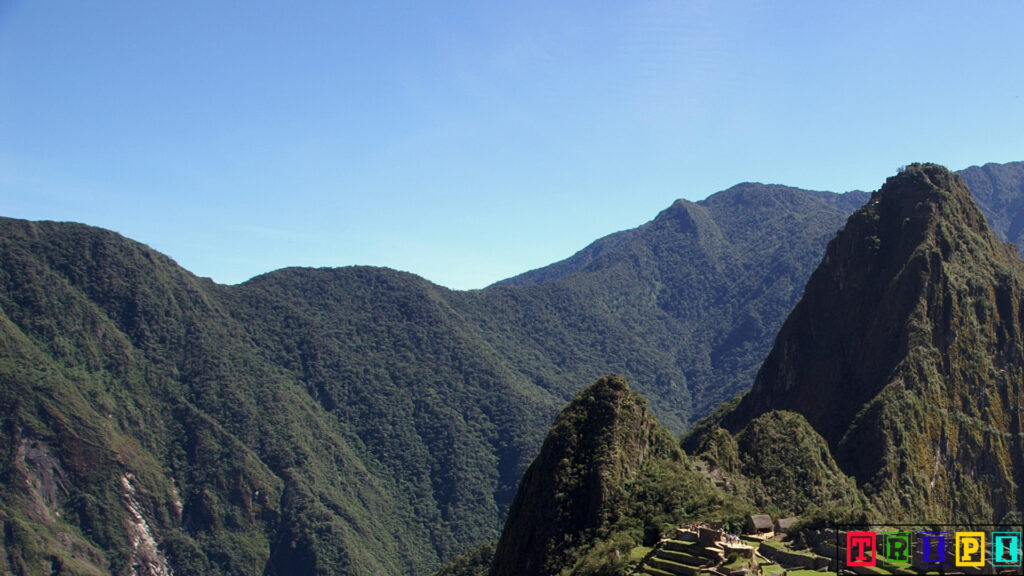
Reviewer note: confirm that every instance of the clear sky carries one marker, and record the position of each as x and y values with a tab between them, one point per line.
470	141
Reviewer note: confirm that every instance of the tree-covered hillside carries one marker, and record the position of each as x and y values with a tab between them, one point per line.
351	421
702	289
144	429
356	420
608	478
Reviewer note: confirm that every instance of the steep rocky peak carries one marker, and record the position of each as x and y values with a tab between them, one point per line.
907	332
596	444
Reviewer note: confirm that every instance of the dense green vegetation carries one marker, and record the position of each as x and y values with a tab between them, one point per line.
610	483
365	421
356	420
476	562
118	365
692	299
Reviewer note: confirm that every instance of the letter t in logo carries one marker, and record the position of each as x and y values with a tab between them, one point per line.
860	548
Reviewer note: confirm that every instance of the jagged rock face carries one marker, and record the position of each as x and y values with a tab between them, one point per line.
906	353
597	442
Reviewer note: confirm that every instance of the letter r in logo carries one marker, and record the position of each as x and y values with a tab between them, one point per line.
896	549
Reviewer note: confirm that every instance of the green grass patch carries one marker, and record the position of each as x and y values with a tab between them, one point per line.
638	553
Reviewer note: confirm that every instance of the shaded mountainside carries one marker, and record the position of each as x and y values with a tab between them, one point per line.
598	442
906	355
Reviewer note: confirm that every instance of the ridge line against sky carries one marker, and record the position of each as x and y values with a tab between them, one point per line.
468	143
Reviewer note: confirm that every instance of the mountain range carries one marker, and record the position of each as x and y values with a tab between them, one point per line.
892	394
362	420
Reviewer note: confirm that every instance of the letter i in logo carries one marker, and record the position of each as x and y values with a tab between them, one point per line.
860	548
932	548
1005	549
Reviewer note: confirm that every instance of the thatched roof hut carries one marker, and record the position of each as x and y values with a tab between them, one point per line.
760	524
784	524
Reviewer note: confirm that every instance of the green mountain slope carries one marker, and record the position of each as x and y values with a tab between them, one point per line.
610	482
135	408
388	356
384	422
699	291
906	354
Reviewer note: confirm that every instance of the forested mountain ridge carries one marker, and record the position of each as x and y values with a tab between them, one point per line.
607	479
144	431
609	483
355	420
712	280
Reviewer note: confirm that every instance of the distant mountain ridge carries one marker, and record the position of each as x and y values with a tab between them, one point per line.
715	277
999	191
717	207
356	420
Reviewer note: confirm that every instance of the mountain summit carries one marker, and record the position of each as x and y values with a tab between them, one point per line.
906	354
601	438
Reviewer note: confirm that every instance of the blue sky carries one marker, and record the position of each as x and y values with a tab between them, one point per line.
470	141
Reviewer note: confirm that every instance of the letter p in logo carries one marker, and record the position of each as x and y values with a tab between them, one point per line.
970	548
